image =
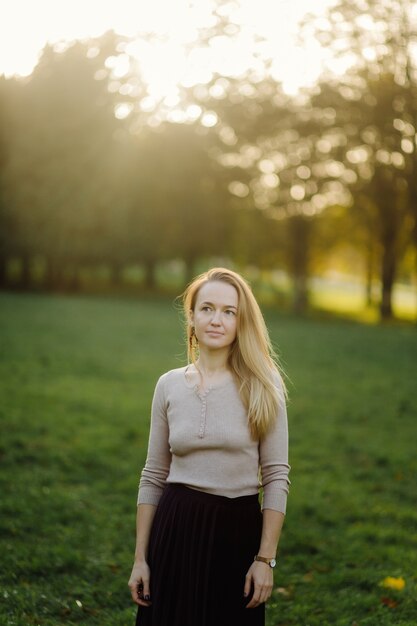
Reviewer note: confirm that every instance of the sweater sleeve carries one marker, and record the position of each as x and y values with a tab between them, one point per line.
158	461
273	459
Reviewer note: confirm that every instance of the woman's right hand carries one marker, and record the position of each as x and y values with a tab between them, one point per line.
139	583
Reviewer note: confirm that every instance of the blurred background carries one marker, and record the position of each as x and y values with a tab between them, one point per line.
143	142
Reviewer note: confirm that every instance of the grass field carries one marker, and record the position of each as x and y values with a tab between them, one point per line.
76	380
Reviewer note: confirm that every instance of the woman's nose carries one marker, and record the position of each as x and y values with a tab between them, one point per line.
216	318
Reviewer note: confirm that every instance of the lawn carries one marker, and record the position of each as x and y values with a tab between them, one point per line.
76	380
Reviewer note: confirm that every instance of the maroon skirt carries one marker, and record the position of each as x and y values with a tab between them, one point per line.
200	549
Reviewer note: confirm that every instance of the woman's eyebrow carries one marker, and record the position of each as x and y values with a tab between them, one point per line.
226	306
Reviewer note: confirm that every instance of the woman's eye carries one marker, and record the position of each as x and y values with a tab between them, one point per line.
231	312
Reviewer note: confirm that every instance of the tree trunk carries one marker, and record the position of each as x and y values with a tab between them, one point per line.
300	296
150	276
25	278
3	272
189	270
116	270
389	263
413	203
74	283
390	217
369	272
53	274
47	276
298	261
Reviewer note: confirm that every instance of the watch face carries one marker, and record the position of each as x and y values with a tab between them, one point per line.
272	562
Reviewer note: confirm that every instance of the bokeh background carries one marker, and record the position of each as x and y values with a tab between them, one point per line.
141	143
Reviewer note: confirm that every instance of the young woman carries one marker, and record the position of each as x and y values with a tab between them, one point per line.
205	548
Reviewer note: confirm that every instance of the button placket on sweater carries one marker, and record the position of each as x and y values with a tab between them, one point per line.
203	415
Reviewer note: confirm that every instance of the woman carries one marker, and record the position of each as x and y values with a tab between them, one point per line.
205	549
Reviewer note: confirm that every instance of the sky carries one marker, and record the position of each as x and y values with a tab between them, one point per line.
27	25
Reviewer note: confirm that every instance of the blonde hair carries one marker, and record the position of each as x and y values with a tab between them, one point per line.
251	359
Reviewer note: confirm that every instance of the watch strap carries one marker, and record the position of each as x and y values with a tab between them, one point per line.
270	562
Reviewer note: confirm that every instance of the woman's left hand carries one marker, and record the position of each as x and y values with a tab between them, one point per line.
261	576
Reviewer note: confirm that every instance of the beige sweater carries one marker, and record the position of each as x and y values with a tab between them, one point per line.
203	441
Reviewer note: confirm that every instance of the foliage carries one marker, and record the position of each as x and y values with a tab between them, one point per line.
96	173
375	111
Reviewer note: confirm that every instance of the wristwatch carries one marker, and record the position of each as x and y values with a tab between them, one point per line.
270	562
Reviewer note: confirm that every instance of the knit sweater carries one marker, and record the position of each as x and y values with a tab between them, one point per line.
203	441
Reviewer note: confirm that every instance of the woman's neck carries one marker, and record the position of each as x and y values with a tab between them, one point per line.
212	364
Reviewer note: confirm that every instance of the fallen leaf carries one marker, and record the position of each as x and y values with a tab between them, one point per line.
392	604
393	583
114	567
283	591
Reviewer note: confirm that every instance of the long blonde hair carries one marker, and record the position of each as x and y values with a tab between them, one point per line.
251	358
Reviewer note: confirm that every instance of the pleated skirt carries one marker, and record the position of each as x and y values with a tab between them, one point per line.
200	549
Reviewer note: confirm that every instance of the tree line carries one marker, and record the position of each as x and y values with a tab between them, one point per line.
93	173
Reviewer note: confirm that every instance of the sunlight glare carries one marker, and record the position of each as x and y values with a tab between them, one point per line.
173	57
209	119
270	180
239	189
122	110
266	166
297	192
193	112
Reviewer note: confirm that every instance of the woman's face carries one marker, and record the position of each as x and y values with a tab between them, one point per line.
215	315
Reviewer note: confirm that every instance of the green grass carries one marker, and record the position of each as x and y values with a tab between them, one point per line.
76	379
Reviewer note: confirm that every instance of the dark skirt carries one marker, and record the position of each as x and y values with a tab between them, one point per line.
200	549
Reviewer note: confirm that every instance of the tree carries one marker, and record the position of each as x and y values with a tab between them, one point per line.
261	144
374	41
9	93
59	165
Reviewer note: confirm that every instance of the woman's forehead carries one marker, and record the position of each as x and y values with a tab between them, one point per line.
218	292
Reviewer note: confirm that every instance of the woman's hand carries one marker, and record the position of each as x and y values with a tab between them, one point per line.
260	575
139	583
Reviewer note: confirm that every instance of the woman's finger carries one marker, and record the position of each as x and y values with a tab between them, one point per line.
139	584
134	587
254	601
141	595
146	592
248	581
266	593
260	595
